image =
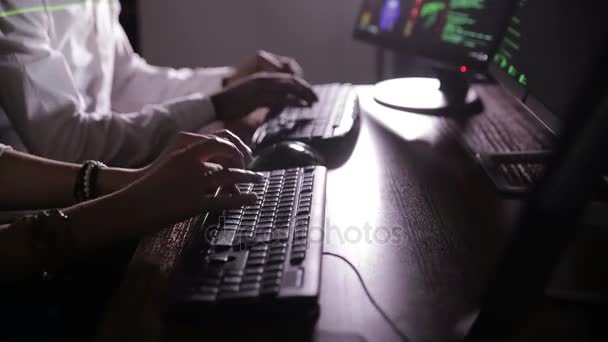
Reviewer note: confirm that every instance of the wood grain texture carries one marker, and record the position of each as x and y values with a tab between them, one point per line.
135	313
409	208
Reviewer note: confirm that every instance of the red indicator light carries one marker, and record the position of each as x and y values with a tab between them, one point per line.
463	69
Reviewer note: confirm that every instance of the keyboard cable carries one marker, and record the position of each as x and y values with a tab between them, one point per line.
382	313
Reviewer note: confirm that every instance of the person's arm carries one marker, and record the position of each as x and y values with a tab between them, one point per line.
40	99
180	184
30	182
137	83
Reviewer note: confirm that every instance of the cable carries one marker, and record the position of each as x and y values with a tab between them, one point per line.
388	320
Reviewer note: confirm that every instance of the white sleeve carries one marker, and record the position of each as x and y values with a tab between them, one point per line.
137	83
41	101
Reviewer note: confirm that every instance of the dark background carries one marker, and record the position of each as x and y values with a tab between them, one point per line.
128	19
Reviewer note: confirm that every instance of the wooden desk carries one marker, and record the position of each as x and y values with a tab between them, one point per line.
411	211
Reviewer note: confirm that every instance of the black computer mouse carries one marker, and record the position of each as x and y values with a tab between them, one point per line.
285	155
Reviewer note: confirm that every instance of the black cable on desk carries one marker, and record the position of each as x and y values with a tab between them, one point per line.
371	298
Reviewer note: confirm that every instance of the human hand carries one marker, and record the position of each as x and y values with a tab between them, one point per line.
185	139
184	181
270	90
264	61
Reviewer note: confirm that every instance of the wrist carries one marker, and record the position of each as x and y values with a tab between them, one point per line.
113	179
229	76
218	104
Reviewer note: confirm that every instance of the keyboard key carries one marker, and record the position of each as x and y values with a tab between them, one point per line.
298	249
219	258
250	287
306	189
224	238
234	211
272	198
229	288
271	284
297	258
263	231
278	246
248	222
276	259
207	290
260	248
302	222
247	227
244	235
272	270
271	203
280	235
258	255
253	270
264	225
285	204
266	220
255	262
277	251
266	215
232	226
234	273
252	279
301	235
262	238
270	291
304	210
232	280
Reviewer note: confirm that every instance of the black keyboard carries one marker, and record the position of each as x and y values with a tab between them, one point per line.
332	117
515	173
263	258
510	143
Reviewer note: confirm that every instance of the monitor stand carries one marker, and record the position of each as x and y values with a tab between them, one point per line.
449	94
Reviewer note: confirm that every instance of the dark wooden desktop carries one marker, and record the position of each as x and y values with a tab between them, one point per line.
411	210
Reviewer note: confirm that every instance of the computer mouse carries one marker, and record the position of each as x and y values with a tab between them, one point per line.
285	155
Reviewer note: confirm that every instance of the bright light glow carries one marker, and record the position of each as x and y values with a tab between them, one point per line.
463	69
50	8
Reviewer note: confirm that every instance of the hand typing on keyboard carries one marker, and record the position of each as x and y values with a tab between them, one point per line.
183	182
324	120
270	90
265	249
264	61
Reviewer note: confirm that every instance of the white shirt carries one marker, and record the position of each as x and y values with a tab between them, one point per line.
71	87
2	149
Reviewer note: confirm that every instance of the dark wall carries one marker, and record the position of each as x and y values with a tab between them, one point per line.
128	19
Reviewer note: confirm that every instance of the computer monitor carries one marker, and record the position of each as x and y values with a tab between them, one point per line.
548	49
457	36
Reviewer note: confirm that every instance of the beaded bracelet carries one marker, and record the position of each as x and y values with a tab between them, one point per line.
86	183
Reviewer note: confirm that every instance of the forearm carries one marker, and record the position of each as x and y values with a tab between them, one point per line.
90	225
30	182
112	218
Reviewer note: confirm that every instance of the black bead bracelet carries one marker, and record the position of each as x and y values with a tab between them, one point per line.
86	183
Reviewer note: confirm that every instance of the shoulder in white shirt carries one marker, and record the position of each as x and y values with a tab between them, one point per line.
75	90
